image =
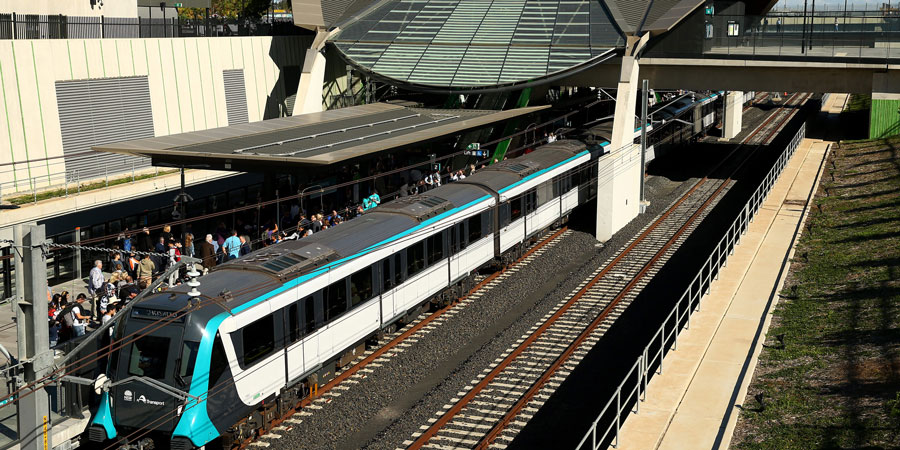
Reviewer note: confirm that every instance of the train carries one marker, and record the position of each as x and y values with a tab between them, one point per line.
283	318
276	324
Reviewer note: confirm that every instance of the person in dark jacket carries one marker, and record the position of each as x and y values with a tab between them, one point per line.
144	241
207	252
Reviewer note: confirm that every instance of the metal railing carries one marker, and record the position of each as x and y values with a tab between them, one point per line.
633	388
823	36
115	168
41	26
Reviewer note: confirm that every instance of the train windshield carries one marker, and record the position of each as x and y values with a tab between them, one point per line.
188	358
148	357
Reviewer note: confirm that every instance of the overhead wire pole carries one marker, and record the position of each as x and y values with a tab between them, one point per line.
33	335
645	87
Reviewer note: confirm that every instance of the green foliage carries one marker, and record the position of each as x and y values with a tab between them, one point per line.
832	386
230	9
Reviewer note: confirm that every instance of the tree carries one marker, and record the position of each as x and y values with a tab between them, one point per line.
231	9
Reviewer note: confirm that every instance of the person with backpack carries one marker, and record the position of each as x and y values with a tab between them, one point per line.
79	320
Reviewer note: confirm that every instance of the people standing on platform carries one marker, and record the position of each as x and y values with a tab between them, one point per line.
245	245
116	264
145	272
233	244
96	281
145	242
189	245
166	234
133	263
79	319
206	251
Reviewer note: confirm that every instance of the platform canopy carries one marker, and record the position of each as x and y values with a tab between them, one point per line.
314	139
471	44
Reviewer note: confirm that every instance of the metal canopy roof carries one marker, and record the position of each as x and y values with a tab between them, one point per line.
311	139
477	43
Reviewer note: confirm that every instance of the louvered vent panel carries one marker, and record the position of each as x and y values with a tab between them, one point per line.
102	111
235	96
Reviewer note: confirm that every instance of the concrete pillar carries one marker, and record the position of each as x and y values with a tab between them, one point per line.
884	116
312	77
618	181
734	113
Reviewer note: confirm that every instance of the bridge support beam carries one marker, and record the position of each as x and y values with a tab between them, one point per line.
734	114
884	116
619	173
312	77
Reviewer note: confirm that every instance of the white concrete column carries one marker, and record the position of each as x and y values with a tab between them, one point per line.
312	77
734	114
618	180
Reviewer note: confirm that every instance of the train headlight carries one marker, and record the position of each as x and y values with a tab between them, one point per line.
101	383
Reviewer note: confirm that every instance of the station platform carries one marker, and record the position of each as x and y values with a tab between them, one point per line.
696	401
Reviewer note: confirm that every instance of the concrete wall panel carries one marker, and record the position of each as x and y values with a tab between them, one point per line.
184	75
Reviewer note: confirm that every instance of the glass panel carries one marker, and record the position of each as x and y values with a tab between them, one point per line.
309	315
360	286
188	358
415	258
149	355
335	300
258	339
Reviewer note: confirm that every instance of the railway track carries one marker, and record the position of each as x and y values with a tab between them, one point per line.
500	401
397	342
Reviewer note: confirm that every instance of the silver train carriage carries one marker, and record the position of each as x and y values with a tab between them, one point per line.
274	325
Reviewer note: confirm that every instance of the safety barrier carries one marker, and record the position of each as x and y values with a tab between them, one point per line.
633	387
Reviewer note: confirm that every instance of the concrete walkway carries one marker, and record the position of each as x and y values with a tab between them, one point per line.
695	403
57	206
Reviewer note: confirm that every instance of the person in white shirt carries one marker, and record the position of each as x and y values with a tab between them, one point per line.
79	321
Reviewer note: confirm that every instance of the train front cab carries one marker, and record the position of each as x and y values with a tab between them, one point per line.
150	377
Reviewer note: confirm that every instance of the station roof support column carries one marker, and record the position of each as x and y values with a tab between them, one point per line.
312	77
618	174
734	114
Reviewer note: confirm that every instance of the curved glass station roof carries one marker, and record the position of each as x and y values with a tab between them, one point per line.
476	43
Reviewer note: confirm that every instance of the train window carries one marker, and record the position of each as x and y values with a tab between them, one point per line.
461	232
386	279
515	209
530	201
398	268
218	361
503	212
415	258
188	358
293	322
545	193
454	239
475	228
149	355
360	286
435	248
335	300
309	315
258	340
